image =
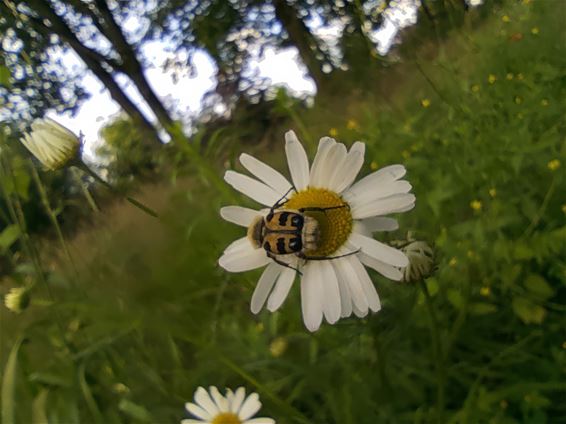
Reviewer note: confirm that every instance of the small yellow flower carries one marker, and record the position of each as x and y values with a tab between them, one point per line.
485	291
278	347
553	165
509	76
425	103
333	132
492	192
527	1
476	205
351	124
506	18
475	88
471	254
373	165
544	102
453	262
520	76
406	154
491	79
534	30
518	100
564	208
564	345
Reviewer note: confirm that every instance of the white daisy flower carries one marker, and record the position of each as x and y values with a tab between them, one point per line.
234	408
52	144
331	288
17	299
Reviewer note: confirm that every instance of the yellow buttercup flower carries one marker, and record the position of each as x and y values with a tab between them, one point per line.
535	30
425	103
492	192
506	18
333	132
553	165
453	262
564	208
278	347
491	79
373	165
476	205
475	88
485	291
544	102
509	76
520	76
518	100
351	124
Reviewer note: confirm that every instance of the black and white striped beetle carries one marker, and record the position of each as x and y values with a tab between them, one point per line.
289	231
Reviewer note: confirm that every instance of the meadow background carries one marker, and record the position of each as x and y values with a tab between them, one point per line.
128	314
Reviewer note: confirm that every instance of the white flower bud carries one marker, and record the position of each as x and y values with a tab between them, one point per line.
421	261
52	144
17	299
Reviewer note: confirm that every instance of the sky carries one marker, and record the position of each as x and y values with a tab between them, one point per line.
282	67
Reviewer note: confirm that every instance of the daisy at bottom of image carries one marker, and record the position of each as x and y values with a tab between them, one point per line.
319	226
232	408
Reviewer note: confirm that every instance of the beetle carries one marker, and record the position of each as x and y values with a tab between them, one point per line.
289	231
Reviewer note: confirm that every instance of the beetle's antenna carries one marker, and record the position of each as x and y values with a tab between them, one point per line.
280	201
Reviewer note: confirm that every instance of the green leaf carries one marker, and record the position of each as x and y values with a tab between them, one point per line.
39	408
538	286
455	298
482	308
5	76
9	385
8	236
134	410
527	311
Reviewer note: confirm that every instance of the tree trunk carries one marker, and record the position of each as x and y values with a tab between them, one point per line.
301	37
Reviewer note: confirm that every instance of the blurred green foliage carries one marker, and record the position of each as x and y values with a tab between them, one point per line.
149	316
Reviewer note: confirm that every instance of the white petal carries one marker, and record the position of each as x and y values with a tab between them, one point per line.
382	176
392	204
360	313
220	401
250	407
240	261
324	146
236	402
345	296
311	295
260	421
203	399
239	215
331	301
333	162
254	189
190	421
369	289
348	274
197	411
265	173
348	171
281	290
264	286
297	160
241	245
378	223
388	271
369	194
378	250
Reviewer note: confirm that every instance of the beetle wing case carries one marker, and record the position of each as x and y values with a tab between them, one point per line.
311	233
255	232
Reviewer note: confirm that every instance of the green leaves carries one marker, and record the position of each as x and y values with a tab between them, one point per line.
5	76
8	236
9	384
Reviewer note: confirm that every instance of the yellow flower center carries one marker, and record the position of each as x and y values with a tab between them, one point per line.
226	418
335	224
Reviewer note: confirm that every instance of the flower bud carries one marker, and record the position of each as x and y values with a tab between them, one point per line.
421	261
52	144
17	299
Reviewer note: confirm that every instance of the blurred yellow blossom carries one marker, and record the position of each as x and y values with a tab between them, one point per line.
534	30
564	345
553	165
333	132
518	100
476	205
485	291
425	103
506	18
491	78
475	88
544	102
520	76
406	154
509	76
471	254
453	262
492	192
352	124
564	208
278	347
373	165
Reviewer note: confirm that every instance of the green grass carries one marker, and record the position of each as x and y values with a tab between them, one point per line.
150	316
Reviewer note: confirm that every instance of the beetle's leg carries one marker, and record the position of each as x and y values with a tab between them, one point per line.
326	258
280	202
317	209
280	262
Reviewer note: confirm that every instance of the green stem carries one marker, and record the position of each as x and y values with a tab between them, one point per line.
90	200
52	217
437	352
133	201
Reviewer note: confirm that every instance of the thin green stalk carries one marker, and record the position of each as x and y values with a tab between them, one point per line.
53	218
90	200
437	353
133	201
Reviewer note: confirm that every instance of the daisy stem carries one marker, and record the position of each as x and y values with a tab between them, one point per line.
133	201
53	218
438	357
90	200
